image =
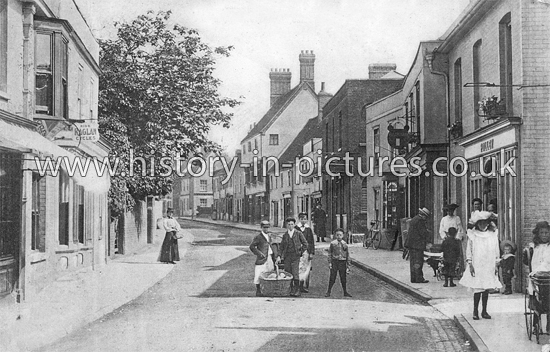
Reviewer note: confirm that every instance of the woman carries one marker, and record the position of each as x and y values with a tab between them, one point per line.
169	252
537	256
482	258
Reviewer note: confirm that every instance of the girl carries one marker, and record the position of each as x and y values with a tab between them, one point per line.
482	258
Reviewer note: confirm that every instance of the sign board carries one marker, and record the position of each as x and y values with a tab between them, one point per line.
491	144
87	131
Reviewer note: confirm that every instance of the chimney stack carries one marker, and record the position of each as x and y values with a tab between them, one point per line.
280	83
376	71
307	67
322	98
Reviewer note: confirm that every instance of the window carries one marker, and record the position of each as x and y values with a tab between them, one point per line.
340	131
477	76
203	202
273	139
416	108
38	208
51	59
244	149
63	208
78	218
80	91
376	144
3	45
505	51
256	144
458	89
249	146
10	196
204	185
389	205
290	178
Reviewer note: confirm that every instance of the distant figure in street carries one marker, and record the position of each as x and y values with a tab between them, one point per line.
169	252
320	223
482	256
451	255
261	247
416	242
338	262
292	247
507	264
305	262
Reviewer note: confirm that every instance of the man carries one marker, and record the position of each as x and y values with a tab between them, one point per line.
292	247
416	243
304	228
261	247
320	222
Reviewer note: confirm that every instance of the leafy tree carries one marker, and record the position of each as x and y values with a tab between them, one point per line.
158	97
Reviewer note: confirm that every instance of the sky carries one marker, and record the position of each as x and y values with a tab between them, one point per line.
345	35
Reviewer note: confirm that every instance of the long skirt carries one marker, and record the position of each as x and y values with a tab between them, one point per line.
169	252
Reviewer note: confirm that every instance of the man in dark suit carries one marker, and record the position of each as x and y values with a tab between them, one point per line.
304	228
261	247
416	243
292	247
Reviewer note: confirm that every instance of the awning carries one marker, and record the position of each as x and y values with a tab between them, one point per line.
28	141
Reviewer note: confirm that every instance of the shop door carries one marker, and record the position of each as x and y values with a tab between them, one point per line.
10	223
275	205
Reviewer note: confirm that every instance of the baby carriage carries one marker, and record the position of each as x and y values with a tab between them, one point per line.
434	258
537	303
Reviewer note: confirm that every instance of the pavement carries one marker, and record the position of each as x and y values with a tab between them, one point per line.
504	332
77	299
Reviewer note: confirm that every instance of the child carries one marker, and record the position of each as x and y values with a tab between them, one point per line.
338	262
451	254
507	264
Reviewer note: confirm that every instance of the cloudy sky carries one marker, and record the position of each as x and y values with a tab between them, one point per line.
345	35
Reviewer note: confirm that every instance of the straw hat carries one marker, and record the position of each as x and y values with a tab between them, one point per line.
265	223
480	215
450	206
510	243
424	211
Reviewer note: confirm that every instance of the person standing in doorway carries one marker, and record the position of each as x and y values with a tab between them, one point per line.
477	205
261	247
320	223
416	242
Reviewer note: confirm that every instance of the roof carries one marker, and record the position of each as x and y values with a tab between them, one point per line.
393	75
275	110
312	129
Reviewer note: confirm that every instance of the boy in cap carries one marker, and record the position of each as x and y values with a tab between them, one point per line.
261	247
292	247
507	263
338	262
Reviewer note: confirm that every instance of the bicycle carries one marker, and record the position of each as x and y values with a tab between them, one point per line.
373	237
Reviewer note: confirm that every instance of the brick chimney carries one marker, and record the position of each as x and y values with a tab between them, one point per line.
307	67
323	98
280	83
376	71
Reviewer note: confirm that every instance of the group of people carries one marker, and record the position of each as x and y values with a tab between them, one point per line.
295	252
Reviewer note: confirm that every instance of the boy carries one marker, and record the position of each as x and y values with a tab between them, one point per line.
451	255
338	262
261	247
292	247
507	264
304	228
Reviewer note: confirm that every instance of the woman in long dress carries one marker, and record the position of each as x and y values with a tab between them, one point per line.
169	252
482	257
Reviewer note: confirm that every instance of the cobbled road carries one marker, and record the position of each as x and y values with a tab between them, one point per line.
208	303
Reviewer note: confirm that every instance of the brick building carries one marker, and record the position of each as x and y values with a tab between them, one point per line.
344	131
50	224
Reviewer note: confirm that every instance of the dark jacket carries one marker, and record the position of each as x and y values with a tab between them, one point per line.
300	243
260	247
507	264
418	235
308	234
451	249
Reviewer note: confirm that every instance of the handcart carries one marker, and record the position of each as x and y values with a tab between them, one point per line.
537	303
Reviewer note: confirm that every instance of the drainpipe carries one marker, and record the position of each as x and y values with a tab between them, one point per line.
430	59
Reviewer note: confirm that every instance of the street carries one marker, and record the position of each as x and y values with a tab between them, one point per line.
208	303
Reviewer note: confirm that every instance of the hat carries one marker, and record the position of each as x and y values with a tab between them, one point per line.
265	222
302	214
541	225
168	210
480	215
424	211
450	206
509	243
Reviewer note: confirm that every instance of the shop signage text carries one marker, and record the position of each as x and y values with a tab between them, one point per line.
487	145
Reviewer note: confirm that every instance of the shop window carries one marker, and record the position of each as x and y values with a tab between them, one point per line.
38	209
389	204
51	60
377	203
3	45
10	198
63	208
273	139
505	53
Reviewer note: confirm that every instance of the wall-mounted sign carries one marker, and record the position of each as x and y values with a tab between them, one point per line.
87	131
398	138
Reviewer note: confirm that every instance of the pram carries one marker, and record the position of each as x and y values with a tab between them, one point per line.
537	303
435	261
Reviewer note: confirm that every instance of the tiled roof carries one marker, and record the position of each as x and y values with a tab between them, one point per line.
275	109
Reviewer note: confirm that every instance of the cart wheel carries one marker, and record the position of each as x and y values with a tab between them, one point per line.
528	317
376	240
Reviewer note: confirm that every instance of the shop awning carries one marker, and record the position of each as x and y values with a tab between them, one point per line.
25	140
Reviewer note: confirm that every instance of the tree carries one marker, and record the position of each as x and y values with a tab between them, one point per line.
158	97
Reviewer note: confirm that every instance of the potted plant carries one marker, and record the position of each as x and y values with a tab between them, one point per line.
492	107
456	129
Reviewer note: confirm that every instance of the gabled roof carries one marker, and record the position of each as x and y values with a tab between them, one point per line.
276	109
312	129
